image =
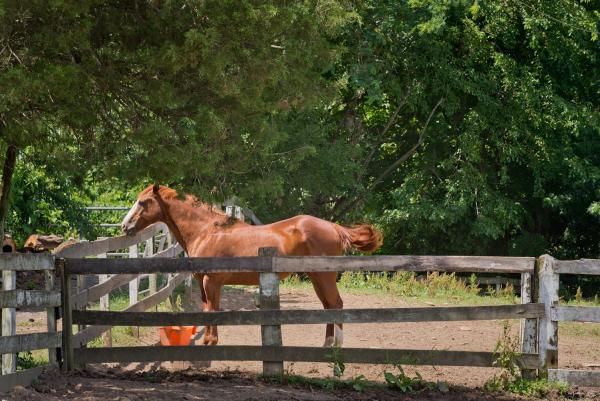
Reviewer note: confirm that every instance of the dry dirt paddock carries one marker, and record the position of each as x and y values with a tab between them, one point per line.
579	346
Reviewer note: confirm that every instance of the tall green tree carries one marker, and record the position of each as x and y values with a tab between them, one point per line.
462	127
178	91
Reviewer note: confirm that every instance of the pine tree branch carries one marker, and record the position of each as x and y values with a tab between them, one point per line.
7	174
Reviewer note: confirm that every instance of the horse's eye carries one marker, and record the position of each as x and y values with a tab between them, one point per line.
143	203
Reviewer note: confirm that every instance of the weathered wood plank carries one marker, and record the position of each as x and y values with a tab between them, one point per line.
303	264
101	289
583	378
92	332
95	292
314	316
171	252
168	265
29	299
67	321
26	261
51	316
28	342
296	354
9	318
21	378
133	288
548	328
528	325
576	314
485	264
581	266
91	248
269	301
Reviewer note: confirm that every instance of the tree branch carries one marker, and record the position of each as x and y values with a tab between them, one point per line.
392	167
387	127
410	152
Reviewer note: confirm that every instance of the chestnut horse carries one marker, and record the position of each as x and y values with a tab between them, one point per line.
204	231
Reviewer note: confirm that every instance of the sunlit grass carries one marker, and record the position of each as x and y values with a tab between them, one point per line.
435	287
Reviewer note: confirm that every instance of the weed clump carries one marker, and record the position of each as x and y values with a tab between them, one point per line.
510	379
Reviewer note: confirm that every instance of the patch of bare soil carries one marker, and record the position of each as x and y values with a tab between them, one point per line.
575	351
117	385
237	380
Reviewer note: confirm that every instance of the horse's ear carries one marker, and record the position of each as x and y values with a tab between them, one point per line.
155	188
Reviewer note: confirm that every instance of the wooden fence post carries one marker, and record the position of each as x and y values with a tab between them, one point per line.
188	301
269	299
548	330
148	252
9	321
67	320
105	305
528	326
51	316
133	288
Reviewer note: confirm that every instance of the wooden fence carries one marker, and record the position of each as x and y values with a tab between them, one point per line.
549	271
51	298
10	299
270	317
156	242
539	320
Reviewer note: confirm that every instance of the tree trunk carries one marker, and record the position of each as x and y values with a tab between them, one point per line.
7	175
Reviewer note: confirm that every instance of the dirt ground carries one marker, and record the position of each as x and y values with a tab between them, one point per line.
236	380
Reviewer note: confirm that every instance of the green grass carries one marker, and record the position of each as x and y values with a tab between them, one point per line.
577	329
436	287
123	335
31	359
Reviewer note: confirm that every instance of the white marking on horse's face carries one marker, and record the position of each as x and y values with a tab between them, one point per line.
127	225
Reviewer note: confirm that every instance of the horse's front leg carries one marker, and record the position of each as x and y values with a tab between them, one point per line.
212	291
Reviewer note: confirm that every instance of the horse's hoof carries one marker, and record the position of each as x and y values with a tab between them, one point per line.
210	340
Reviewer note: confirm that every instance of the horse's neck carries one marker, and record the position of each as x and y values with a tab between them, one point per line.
188	223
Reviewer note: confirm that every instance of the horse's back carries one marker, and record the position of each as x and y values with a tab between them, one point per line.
301	235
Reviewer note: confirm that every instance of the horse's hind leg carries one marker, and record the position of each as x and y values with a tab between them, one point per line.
212	293
325	286
200	278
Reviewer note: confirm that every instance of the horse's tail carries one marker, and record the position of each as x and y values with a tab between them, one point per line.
363	237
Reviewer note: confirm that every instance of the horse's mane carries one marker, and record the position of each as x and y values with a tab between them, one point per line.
168	194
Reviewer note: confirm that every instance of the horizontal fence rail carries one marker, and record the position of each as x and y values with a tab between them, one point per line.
99	290
26	261
584	378
29	299
91	332
576	314
294	264
28	342
581	266
303	316
92	248
297	354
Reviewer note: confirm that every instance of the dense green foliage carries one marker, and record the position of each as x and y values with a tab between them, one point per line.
459	127
509	162
181	91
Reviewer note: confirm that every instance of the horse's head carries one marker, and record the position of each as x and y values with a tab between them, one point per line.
146	210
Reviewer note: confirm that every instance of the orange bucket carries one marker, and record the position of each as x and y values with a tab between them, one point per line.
176	335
